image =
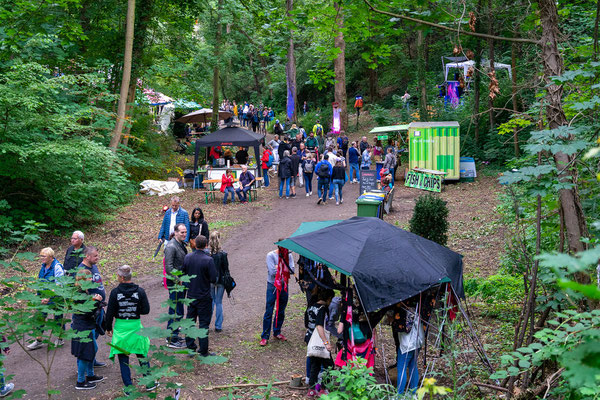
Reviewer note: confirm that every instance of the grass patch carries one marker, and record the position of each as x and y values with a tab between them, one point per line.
224	224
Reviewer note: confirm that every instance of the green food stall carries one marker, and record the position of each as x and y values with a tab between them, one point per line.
435	146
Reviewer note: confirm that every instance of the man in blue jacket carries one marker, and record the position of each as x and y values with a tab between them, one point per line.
175	215
323	170
353	161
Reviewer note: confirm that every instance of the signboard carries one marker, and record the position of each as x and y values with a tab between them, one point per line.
382	137
424	181
368	180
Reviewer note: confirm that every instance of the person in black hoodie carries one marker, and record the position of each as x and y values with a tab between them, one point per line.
126	303
222	267
285	174
295	158
85	352
198	226
200	265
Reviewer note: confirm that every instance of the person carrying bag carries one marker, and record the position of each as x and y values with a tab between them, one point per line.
319	348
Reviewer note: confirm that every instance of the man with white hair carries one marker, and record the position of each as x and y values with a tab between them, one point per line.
175	215
246	180
74	255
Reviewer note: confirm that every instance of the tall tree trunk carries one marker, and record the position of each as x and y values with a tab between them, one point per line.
477	76
514	94
575	225
116	135
214	123
491	55
373	92
256	81
130	101
290	71
423	113
339	66
596	46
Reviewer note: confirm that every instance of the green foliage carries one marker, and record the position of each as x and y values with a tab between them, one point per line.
356	382
501	293
430	219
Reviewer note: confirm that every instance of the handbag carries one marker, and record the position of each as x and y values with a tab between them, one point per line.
229	284
359	336
316	347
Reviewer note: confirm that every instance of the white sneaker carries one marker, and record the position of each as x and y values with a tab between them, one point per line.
337	203
341	200
311	193
307	194
34	345
59	342
331	198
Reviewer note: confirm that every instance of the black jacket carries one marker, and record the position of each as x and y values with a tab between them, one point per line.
72	259
283	146
200	229
126	301
295	163
221	265
202	266
285	168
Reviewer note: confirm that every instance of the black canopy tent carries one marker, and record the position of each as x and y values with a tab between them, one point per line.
230	136
388	264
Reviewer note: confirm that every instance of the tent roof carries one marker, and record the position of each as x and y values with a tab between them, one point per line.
387	263
433	124
393	128
230	136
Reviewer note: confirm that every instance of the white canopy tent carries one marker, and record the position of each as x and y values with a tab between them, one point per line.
465	65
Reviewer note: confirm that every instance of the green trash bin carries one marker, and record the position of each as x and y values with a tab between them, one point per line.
369	205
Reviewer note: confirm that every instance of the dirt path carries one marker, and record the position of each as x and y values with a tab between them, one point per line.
247	245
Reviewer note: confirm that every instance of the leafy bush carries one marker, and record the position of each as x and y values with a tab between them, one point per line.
69	182
382	116
355	381
430	219
501	293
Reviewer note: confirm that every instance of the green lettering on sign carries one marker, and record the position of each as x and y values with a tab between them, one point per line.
424	181
382	137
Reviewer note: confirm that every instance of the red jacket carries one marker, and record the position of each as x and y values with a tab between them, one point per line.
226	181
265	158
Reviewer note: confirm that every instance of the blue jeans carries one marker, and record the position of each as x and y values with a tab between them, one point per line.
266	176
408	360
175	296
392	170
287	186
228	190
124	366
243	193
354	167
84	368
270	306
322	188
308	182
216	292
338	184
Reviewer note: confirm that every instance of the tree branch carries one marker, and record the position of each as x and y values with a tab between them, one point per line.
447	28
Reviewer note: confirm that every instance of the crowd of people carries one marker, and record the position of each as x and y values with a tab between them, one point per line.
332	158
255	117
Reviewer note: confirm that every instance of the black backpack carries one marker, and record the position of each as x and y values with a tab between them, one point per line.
345	141
323	171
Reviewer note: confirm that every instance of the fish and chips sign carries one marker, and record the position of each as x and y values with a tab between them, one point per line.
425	179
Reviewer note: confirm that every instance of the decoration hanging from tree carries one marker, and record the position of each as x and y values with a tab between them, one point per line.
337	118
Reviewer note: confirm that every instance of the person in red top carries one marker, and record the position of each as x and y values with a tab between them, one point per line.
265	166
227	186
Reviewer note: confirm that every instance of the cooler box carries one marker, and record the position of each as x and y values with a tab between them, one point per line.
370	204
468	173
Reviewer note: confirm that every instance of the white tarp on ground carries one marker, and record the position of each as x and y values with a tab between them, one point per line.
160	188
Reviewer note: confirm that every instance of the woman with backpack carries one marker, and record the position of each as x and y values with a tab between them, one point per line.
222	267
285	174
266	162
338	179
308	169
